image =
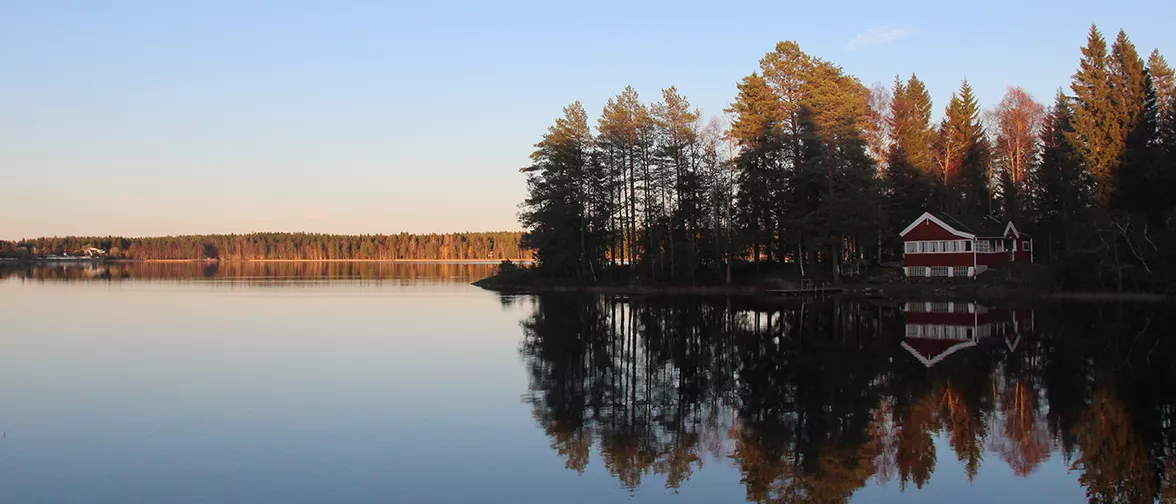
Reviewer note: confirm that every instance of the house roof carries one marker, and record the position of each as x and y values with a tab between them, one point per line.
968	226
979	225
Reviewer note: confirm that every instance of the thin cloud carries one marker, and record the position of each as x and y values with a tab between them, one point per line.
875	37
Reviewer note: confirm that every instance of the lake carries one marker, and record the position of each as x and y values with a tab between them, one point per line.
379	382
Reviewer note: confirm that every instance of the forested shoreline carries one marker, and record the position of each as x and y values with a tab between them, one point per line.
281	246
818	171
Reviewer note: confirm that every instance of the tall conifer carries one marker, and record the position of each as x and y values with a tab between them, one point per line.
1163	81
909	167
1096	135
1063	185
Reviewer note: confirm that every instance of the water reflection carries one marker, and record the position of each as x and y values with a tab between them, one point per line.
257	272
937	329
813	401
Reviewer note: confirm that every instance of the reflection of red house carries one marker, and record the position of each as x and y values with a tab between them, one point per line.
935	330
939	244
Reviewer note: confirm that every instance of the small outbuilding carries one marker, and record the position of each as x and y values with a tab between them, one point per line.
942	245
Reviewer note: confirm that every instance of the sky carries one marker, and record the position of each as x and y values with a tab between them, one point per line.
140	118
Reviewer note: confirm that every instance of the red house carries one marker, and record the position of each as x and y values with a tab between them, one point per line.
937	329
943	245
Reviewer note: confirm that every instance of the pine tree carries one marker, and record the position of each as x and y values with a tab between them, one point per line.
624	137
756	129
681	186
556	212
1097	132
834	116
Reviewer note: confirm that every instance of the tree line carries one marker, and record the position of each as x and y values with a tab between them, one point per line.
818	170
282	246
814	400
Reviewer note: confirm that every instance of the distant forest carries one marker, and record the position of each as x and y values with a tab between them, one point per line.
282	246
817	170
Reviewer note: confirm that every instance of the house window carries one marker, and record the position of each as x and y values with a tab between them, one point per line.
968	246
1025	245
934	246
912	247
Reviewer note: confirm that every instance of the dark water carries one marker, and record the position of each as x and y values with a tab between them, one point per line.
367	382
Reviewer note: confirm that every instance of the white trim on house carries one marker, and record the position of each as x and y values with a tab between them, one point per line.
932	218
939	246
1016	234
928	363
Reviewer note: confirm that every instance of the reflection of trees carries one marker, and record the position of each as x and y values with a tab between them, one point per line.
812	400
1023	439
1114	465
257	272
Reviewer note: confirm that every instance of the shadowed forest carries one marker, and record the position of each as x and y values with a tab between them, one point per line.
814	400
283	246
814	169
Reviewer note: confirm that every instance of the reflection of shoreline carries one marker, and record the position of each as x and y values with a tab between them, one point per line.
251	271
423	261
242	261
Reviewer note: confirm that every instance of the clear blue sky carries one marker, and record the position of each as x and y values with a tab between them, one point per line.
148	118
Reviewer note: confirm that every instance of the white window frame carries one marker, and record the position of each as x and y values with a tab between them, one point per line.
944	246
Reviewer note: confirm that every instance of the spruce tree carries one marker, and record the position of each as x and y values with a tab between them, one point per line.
1097	133
909	167
1166	152
911	123
963	155
1136	109
1138	180
1128	86
1163	81
1063	191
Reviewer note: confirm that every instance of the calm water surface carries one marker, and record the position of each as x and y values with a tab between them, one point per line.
368	382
